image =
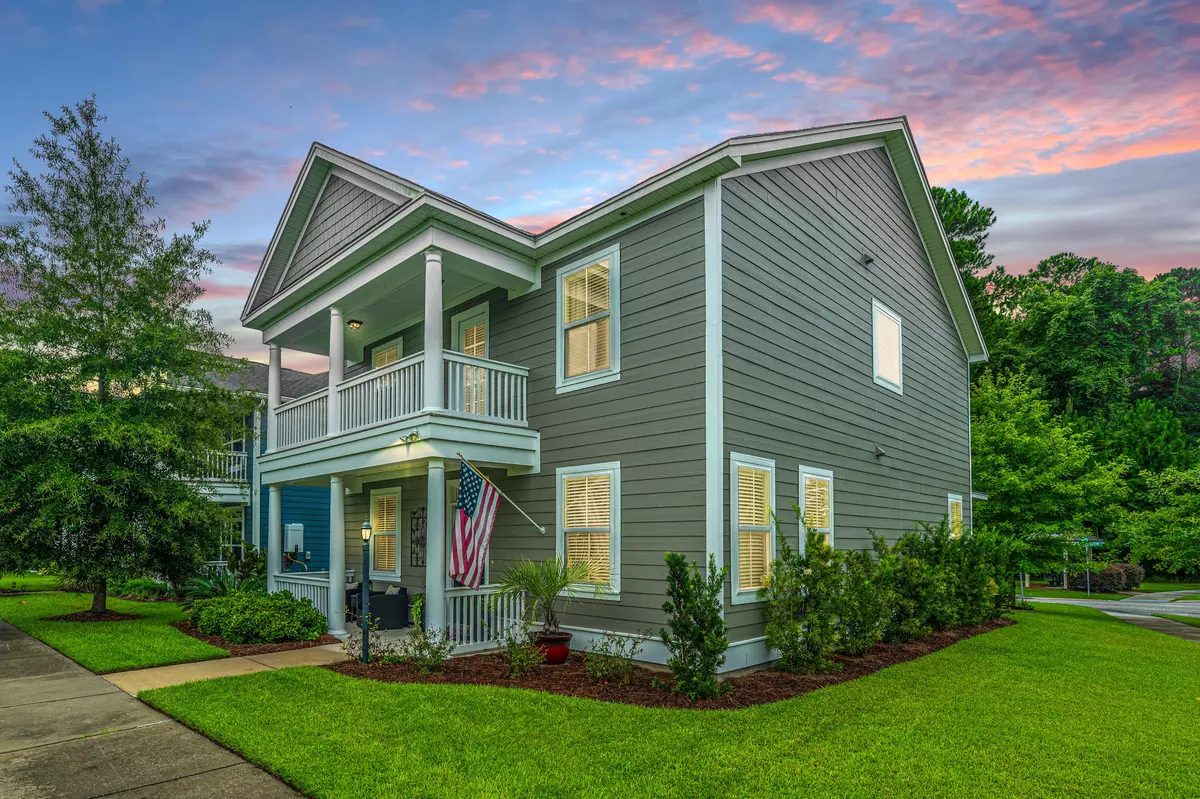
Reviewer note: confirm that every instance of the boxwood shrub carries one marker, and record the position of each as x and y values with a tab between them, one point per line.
253	618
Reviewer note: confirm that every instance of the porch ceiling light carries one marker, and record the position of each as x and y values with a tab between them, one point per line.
354	324
366	531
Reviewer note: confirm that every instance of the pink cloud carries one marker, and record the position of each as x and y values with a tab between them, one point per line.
536	223
825	24
767	61
703	44
223	291
505	70
421	104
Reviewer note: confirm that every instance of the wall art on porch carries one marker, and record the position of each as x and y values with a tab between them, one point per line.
416	538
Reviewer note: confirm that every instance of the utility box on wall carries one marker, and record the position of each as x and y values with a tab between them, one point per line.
293	538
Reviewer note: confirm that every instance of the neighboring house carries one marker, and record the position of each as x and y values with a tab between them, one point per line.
234	480
775	321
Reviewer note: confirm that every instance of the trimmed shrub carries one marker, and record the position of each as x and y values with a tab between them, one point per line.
864	604
610	657
143	588
903	574
1134	575
252	618
802	595
695	636
1106	578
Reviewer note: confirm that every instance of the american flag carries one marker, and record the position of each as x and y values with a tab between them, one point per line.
478	500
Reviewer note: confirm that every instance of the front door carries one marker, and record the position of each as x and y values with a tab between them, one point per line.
469	335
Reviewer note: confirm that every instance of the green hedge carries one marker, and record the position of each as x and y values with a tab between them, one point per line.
252	618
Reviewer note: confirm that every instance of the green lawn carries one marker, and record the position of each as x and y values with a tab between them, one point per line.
1191	621
1067	702
108	646
29	581
1068	594
1154	586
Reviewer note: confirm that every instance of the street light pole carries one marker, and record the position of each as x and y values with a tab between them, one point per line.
365	605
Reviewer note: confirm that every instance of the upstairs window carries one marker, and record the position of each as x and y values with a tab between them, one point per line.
888	348
954	512
816	503
588	345
589	521
752	544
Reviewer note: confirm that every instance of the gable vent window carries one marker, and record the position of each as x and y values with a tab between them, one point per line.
588	347
888	348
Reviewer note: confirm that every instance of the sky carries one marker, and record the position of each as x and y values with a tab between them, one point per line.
1078	121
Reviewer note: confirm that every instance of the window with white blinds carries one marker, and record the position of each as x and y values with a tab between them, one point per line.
385	508
888	348
589	526
589	320
387	353
954	513
816	502
752	495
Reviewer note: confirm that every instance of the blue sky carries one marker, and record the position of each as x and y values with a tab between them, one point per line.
1078	120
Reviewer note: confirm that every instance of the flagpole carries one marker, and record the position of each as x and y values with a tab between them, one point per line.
501	493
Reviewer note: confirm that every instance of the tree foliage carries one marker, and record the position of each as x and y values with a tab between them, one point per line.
108	399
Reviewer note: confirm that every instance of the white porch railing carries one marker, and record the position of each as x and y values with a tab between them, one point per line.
313	586
476	620
481	389
393	392
228	467
304	419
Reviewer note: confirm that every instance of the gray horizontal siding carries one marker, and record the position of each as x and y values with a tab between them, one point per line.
798	377
651	420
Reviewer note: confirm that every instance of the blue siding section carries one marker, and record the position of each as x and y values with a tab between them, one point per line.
307	505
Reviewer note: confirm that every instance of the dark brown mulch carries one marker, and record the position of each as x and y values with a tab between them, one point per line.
756	688
87	615
241	650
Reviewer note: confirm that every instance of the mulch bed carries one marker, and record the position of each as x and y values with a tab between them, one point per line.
756	688
241	650
87	615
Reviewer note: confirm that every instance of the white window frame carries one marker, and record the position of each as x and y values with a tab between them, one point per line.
383	345
822	474
950	500
613	469
878	308
456	336
736	459
383	576
562	383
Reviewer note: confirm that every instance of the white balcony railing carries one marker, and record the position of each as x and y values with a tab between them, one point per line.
476	388
226	467
380	395
478	620
483	389
303	420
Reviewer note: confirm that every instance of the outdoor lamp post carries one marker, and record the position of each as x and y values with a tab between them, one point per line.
366	591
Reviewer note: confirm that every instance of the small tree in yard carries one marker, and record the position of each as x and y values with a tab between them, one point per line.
696	629
107	394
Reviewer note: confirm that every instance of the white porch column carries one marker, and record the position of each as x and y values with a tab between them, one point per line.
337	557
435	546
337	368
274	536
433	330
276	364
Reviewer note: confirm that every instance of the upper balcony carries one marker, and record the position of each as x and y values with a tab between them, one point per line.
227	476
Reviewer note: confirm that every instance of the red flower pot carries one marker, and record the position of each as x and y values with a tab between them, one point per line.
555	646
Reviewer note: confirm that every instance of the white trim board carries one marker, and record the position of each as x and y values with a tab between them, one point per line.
714	382
740	655
808	156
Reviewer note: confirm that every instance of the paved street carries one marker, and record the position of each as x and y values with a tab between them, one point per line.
65	732
1139	610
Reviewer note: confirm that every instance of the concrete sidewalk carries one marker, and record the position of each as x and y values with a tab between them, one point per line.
69	733
134	682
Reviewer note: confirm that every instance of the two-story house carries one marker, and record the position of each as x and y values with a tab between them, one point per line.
777	320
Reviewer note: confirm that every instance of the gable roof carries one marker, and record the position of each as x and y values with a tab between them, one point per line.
413	205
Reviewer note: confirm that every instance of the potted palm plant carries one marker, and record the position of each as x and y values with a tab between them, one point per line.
542	583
